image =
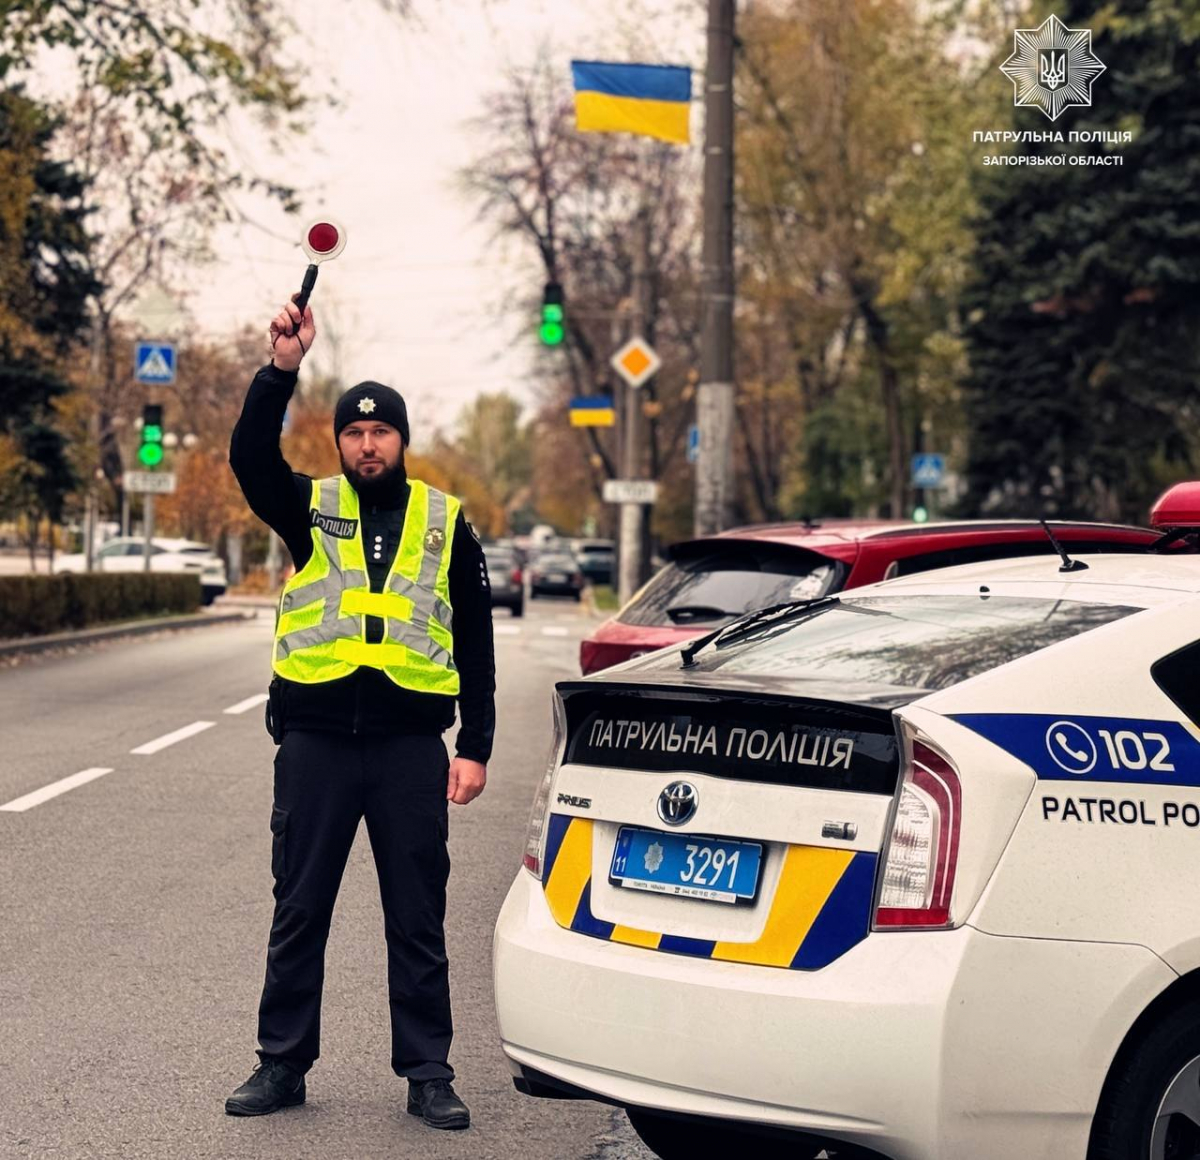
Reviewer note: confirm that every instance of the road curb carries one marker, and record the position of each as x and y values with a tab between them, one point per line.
37	644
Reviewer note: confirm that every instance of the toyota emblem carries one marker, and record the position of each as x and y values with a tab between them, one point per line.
677	803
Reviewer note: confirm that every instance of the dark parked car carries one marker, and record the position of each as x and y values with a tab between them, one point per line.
555	575
596	559
506	579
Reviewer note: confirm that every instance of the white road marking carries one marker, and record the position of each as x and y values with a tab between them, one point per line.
554	630
18	805
248	703
170	738
506	629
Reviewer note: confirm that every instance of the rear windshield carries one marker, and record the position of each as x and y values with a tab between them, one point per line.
714	586
921	643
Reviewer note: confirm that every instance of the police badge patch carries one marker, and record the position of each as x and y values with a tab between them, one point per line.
434	539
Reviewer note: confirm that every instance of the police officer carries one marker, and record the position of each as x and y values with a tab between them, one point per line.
385	624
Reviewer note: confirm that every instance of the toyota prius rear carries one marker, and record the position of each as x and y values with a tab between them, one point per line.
824	878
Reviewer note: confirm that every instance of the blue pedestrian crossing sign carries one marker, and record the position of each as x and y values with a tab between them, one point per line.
928	469
154	362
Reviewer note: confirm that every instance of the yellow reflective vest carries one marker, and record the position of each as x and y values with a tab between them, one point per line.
320	632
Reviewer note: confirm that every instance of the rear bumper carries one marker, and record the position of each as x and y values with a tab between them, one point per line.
921	1045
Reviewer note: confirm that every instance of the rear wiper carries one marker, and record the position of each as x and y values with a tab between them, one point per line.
742	627
680	612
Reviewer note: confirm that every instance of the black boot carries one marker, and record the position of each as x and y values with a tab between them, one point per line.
435	1102
271	1086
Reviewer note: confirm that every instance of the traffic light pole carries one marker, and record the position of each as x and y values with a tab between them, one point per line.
148	520
714	403
632	561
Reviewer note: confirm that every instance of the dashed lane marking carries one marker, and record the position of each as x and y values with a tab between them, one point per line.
19	805
506	629
248	703
554	630
170	738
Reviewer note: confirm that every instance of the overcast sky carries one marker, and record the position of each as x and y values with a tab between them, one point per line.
418	296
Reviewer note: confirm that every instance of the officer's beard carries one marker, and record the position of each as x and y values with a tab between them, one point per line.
385	486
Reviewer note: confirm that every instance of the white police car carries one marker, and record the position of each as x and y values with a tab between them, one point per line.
912	872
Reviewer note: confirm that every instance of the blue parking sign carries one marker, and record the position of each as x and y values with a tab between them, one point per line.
154	362
928	469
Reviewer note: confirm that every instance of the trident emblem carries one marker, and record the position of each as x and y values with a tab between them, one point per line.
1053	71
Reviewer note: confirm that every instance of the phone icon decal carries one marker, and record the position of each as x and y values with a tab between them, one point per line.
1071	747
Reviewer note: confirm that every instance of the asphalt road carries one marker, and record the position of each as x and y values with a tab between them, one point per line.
135	907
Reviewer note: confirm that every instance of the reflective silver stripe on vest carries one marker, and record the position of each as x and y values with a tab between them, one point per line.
442	611
332	626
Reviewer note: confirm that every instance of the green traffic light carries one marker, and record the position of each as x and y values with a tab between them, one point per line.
151	454
551	333
920	515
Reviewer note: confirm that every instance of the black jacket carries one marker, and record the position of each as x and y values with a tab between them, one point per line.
367	701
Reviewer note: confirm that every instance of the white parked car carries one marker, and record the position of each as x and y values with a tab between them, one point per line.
127	554
907	872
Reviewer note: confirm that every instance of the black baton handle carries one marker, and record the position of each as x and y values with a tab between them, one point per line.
306	288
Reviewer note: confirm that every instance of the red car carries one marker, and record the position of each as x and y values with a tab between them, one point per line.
711	581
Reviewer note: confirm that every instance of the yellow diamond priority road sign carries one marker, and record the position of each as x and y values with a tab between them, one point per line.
636	361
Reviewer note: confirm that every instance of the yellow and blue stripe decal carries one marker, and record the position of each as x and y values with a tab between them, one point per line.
822	904
647	99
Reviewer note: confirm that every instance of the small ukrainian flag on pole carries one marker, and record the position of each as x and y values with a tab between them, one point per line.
649	99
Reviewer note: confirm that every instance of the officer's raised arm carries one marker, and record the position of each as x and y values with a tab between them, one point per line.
270	486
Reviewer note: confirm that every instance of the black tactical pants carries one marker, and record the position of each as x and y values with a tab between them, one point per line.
324	784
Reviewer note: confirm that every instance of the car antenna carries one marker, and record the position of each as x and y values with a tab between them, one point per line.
1068	565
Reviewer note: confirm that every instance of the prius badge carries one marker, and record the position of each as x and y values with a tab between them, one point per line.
677	803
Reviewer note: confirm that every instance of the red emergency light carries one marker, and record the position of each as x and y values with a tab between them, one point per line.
1177	507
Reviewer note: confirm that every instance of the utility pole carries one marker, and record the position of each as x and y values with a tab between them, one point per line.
632	559
714	402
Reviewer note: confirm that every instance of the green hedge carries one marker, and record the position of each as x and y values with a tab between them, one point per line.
37	605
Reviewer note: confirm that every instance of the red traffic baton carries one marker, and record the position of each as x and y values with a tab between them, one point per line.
323	239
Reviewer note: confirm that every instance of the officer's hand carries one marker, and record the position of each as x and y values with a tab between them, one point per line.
291	336
466	782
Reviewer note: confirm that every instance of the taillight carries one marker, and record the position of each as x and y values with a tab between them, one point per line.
587	656
535	835
516	576
922	851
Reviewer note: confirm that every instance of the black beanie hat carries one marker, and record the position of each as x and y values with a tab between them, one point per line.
371	401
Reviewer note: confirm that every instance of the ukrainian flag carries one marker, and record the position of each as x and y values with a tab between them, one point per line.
649	99
593	411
